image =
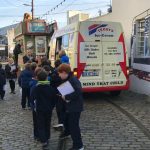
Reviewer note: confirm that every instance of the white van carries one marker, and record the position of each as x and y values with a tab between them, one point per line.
97	54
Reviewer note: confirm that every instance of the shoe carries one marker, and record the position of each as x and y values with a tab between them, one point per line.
2	98
29	108
13	92
45	146
58	127
64	136
36	138
82	148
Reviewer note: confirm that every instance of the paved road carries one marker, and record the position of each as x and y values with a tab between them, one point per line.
103	125
16	126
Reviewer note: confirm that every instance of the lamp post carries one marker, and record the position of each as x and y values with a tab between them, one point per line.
32	9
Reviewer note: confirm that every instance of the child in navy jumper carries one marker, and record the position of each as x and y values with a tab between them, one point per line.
44	96
24	80
33	84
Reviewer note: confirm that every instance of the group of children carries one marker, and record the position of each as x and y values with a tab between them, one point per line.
39	86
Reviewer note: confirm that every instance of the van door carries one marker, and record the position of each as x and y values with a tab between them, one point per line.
91	56
114	55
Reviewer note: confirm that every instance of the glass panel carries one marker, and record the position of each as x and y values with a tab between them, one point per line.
71	40
147	46
65	41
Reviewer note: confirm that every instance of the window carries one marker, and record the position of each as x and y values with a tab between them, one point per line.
147	37
140	38
71	40
65	41
147	46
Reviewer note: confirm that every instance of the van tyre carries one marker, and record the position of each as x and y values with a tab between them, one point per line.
115	93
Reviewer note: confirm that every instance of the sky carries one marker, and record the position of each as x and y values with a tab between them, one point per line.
11	12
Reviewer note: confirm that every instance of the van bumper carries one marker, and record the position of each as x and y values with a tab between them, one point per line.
106	89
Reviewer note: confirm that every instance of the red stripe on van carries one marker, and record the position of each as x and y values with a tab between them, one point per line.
81	66
106	89
123	64
93	26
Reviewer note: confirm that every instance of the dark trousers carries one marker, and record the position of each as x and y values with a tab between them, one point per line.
43	123
60	109
35	126
2	92
16	60
72	128
25	95
12	85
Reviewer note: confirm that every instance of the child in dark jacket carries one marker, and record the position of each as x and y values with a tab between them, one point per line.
43	95
2	82
33	84
48	70
60	104
74	107
24	80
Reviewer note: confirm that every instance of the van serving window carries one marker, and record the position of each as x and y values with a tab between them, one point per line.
65	41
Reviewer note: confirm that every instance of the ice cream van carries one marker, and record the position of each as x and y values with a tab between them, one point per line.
97	53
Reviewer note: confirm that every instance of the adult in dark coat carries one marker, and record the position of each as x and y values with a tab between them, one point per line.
11	74
28	57
17	51
2	82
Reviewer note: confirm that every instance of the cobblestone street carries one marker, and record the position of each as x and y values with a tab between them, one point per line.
104	126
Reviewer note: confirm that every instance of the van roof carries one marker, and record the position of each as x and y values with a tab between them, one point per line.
74	27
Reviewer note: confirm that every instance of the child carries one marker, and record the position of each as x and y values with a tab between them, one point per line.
2	82
44	97
74	107
60	105
24	80
33	84
48	70
63	57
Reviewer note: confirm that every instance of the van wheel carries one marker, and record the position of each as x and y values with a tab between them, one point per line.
115	93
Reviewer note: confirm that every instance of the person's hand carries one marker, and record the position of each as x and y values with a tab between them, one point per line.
63	97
